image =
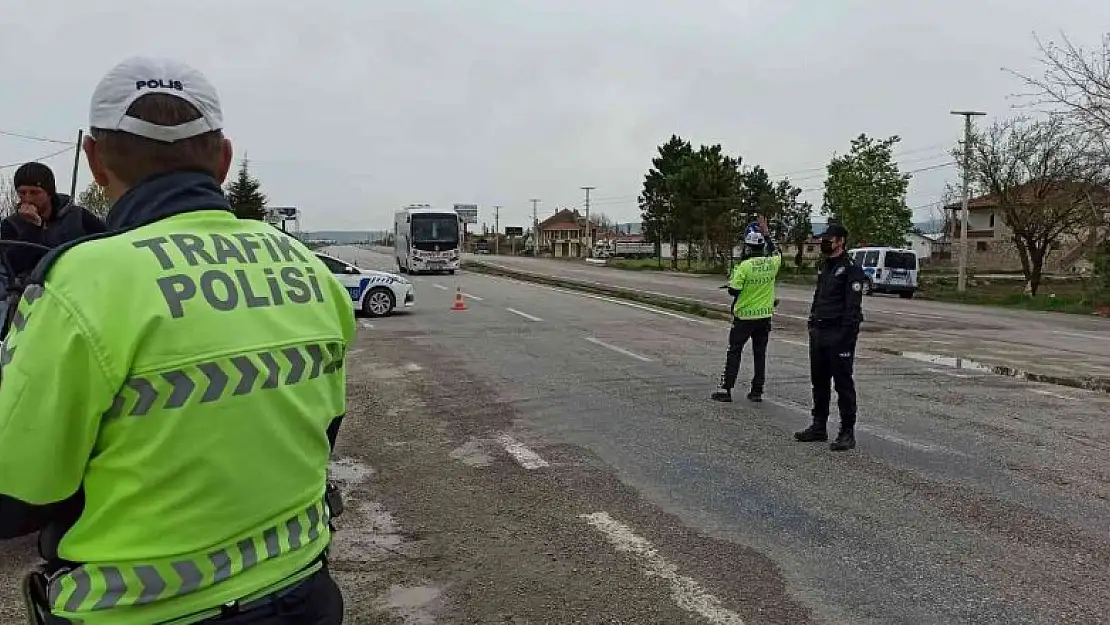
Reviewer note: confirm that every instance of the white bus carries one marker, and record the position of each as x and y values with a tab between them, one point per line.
427	239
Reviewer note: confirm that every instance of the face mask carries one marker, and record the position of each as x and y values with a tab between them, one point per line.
826	247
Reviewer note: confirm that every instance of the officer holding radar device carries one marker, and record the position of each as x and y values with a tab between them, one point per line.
171	390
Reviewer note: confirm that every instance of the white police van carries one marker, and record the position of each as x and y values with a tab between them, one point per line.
888	269
375	293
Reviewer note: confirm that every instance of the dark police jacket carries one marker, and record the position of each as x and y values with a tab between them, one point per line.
838	299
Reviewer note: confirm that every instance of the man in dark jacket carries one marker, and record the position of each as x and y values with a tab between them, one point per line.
44	216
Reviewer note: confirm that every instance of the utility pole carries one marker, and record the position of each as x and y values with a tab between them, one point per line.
496	229
961	281
589	238
76	166
535	229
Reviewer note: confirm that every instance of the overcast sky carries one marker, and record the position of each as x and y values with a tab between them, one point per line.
350	109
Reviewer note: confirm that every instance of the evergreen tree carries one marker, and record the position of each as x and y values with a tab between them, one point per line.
245	195
96	200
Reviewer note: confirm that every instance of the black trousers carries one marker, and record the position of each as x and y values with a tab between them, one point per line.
831	355
315	601
759	331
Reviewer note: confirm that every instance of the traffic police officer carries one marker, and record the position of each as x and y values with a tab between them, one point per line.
834	320
171	389
752	286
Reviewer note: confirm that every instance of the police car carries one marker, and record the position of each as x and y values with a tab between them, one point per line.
375	293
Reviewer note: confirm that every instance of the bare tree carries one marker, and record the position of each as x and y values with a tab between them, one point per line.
1049	181
1075	82
603	221
9	200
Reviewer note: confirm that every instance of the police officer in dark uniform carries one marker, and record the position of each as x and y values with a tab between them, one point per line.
834	320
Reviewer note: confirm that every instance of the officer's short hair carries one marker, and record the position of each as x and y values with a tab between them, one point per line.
133	158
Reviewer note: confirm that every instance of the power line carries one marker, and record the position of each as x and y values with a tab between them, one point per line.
8	133
41	158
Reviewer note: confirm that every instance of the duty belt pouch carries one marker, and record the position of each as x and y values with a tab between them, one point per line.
334	498
36	598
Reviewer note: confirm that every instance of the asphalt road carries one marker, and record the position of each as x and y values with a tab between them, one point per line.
549	457
1049	343
973	498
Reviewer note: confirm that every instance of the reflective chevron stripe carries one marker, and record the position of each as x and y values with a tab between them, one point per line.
229	377
101	587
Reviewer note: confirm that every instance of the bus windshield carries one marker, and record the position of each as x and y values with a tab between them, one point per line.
443	229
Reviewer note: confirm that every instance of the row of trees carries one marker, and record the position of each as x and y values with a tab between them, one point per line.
705	199
244	193
1048	175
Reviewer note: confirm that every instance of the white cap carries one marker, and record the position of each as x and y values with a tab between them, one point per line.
138	76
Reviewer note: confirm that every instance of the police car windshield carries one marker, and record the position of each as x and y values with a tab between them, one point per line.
435	229
901	260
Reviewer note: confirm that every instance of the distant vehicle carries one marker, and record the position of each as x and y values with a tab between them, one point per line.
374	293
481	246
624	249
888	269
427	239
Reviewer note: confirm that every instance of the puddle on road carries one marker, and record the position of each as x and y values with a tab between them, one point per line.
414	605
954	362
349	471
1090	383
472	453
368	533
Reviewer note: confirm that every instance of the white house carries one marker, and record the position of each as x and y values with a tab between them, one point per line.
922	244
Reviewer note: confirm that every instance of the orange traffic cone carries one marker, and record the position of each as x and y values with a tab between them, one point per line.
460	303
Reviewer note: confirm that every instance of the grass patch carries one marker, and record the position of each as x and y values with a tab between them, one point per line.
1073	297
652	264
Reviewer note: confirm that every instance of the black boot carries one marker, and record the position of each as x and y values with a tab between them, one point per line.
756	396
813	434
844	441
722	394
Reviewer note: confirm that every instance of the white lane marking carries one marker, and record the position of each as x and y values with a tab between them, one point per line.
679	298
950	374
412	367
524	457
439	286
524	314
1083	335
366	324
876	432
686	592
619	350
1050	394
906	314
611	300
801	317
791	342
473	297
